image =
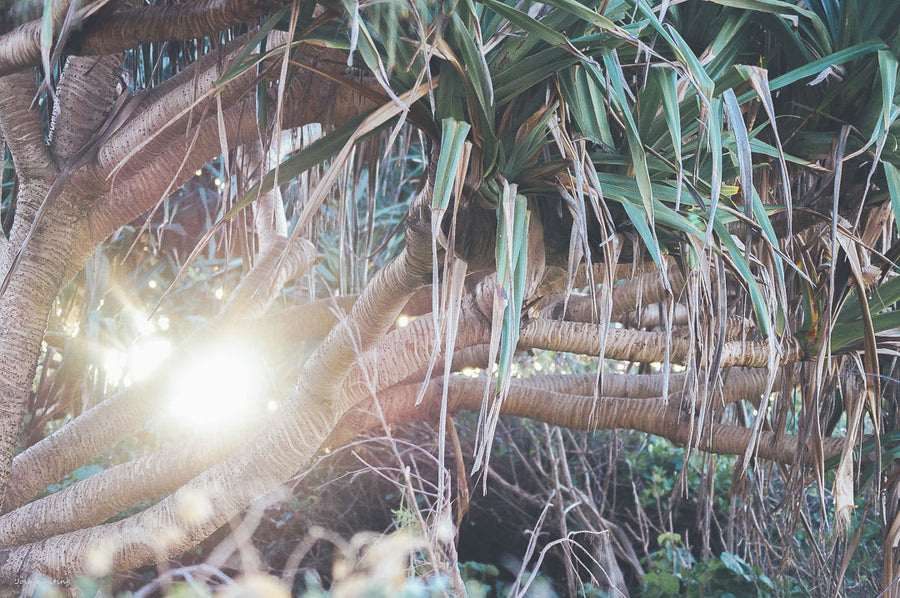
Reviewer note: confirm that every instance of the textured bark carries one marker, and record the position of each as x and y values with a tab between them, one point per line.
651	415
653	316
644	289
280	263
648	347
739	383
556	280
310	99
35	168
21	47
107	33
164	111
99	497
22	128
269	220
87	87
24	313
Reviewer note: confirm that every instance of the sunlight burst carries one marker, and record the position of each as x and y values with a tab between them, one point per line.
220	386
148	352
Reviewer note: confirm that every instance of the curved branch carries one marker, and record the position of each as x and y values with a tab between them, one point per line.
164	111
102	495
21	47
22	127
653	416
627	296
85	94
640	346
107	33
309	99
23	318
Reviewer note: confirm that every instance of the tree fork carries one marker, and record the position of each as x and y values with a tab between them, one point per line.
240	479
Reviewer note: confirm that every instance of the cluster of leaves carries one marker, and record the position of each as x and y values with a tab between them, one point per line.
673	571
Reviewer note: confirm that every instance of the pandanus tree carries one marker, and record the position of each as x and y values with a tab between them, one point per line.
701	196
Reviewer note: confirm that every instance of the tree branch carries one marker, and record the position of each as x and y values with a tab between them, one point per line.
21	47
653	416
640	346
86	92
102	495
105	33
108	34
627	296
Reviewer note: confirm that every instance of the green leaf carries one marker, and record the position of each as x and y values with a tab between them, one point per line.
887	65
892	174
742	145
883	296
668	83
512	257
243	61
714	126
844	334
686	56
737	258
777	7
815	67
453	137
585	102
582	12
527	145
475	72
526	23
639	219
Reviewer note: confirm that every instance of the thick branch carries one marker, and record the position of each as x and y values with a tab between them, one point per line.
195	19
86	92
647	347
99	497
21	47
22	127
653	416
309	99
164	110
627	296
24	313
107	33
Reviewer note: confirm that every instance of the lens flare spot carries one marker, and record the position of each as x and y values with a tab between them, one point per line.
219	387
146	355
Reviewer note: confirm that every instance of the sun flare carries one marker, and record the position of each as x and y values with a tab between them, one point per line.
219	387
